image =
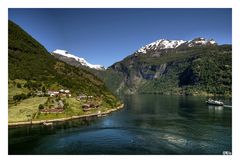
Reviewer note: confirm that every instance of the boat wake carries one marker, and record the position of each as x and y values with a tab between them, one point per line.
227	106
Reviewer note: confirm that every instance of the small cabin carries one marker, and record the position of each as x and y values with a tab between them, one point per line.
52	93
86	107
65	93
62	91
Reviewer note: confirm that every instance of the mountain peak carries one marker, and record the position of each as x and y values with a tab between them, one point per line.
173	44
82	61
200	41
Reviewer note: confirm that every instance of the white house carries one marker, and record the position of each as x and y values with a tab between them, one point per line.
67	91
61	90
52	93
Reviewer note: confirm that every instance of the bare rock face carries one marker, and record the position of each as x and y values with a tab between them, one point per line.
153	71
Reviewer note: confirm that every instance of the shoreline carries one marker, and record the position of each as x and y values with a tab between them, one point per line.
37	122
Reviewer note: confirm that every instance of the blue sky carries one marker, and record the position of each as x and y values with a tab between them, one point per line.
104	36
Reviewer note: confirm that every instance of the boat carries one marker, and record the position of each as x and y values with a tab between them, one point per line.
214	102
47	123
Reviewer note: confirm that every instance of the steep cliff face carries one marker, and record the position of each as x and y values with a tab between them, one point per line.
198	67
135	74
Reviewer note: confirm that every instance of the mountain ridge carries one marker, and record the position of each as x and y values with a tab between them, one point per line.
194	69
82	61
173	44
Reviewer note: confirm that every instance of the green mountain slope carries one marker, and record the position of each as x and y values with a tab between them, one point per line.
204	70
111	78
29	61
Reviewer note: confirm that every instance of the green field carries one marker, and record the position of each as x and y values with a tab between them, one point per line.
21	111
24	110
74	109
27	109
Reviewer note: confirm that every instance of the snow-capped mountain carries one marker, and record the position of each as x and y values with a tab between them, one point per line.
201	42
82	61
171	44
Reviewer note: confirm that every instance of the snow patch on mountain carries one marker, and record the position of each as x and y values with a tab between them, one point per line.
200	42
171	44
79	59
161	44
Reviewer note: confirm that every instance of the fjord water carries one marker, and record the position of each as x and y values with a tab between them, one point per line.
148	124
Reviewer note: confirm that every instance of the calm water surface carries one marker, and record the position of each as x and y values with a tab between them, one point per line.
148	124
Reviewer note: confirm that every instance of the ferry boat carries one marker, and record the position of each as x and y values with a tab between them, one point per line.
214	102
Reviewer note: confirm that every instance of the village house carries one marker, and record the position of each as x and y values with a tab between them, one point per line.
65	93
87	107
90	97
61	92
68	93
52	93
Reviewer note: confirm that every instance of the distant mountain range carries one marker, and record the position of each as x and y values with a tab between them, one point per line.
173	44
158	45
195	67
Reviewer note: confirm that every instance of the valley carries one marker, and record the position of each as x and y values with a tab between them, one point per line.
198	67
120	81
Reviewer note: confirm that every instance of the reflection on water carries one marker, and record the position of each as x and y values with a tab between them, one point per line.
216	111
149	124
212	107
